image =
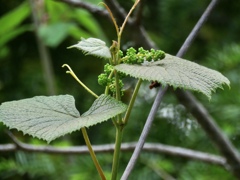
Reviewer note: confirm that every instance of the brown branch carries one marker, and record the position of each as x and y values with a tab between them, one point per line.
107	148
95	10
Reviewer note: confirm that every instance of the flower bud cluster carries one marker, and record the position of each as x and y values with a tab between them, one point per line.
138	57
104	79
107	78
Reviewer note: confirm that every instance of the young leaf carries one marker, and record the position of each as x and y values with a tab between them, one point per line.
54	116
178	73
93	46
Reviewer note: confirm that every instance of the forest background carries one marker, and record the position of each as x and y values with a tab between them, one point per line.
24	74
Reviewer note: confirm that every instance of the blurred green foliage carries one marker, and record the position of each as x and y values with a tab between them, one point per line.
168	22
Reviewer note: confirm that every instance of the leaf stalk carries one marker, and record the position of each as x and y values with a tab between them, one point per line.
93	155
131	103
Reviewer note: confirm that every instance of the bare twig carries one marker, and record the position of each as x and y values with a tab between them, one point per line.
197	27
107	148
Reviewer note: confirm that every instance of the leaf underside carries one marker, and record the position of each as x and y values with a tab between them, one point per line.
178	73
93	46
50	117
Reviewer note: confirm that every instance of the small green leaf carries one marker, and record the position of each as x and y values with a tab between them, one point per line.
178	73
93	46
54	116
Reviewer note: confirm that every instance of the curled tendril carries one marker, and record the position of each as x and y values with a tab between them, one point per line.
70	71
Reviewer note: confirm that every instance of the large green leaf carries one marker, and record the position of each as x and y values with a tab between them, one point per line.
49	35
10	25
178	73
54	116
93	46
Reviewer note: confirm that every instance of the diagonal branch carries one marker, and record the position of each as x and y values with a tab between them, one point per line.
144	134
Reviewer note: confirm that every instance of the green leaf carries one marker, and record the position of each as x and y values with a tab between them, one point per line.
93	46
13	33
178	73
49	35
12	19
88	22
11	24
54	116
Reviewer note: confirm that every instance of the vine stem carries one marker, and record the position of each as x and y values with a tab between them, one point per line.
117	150
94	158
120	122
119	132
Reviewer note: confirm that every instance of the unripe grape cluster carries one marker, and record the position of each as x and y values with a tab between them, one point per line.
132	56
138	57
104	79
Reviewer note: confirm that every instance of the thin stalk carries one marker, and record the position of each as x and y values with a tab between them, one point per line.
119	33
84	131
112	17
126	19
131	103
107	87
94	158
118	95
117	150
78	80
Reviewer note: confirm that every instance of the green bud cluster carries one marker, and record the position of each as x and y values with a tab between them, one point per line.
112	86
138	57
104	79
132	57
